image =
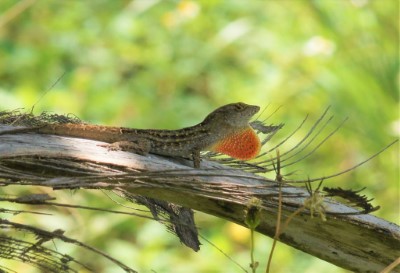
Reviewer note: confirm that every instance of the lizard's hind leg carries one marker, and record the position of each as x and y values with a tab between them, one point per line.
139	146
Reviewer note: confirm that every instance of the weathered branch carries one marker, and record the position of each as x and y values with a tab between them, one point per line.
362	243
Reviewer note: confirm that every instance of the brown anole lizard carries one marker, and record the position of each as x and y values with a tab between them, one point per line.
225	130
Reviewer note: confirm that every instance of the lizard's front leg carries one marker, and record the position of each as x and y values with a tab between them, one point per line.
196	159
138	146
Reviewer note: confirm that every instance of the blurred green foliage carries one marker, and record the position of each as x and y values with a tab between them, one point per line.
166	64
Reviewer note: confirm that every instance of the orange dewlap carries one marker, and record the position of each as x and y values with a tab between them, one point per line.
243	145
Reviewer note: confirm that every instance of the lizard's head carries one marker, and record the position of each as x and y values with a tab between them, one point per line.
236	115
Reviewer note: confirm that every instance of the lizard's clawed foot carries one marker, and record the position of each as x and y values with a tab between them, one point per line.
111	147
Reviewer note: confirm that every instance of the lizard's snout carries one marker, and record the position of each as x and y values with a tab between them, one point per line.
252	110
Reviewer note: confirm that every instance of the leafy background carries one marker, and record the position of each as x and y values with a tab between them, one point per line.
166	64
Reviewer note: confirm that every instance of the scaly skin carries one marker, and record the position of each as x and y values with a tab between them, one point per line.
225	130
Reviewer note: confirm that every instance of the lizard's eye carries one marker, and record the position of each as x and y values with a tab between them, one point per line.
239	106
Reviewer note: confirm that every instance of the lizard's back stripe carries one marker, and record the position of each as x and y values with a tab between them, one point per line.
113	134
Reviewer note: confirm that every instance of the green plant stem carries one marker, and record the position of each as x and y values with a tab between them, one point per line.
253	266
277	230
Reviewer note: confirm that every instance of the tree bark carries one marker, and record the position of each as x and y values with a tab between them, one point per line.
361	243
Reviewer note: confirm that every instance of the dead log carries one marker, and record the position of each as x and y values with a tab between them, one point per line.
361	243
